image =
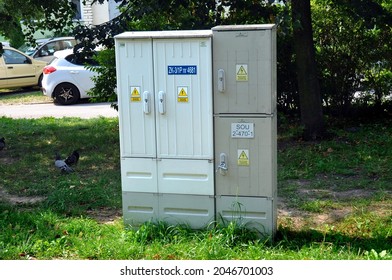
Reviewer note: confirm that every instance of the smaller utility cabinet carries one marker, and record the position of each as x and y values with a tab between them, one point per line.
245	139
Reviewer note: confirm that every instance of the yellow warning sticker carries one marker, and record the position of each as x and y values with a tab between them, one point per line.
241	72
243	157
135	94
182	95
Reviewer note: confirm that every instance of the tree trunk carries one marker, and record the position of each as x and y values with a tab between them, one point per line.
308	83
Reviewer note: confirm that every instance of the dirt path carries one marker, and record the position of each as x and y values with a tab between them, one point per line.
16	199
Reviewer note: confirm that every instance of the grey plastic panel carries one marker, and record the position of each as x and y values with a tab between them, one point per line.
254	212
139	208
251	162
195	211
178	176
247	56
243	27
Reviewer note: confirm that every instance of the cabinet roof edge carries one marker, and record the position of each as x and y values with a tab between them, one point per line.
244	27
165	34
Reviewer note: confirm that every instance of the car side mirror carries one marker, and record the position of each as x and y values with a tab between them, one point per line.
28	61
43	53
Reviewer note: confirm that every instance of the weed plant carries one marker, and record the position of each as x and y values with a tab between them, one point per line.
335	199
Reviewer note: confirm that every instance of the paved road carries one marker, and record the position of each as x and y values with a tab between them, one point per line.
33	111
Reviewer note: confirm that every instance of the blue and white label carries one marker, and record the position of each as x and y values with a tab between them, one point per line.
182	70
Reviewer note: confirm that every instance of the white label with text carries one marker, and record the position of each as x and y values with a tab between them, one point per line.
242	130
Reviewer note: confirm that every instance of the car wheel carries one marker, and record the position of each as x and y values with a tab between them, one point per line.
66	94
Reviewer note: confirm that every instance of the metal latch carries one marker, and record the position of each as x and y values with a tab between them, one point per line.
146	102
222	167
161	102
221	80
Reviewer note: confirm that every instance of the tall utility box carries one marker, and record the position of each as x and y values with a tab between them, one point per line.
166	126
244	66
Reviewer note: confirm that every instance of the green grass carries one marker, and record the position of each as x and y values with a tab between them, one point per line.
338	194
11	97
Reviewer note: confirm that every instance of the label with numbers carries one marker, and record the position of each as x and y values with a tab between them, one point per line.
182	70
242	130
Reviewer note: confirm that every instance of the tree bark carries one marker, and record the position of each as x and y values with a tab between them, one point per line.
308	84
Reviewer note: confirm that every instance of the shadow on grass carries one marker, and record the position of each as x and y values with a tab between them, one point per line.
41	233
27	163
338	241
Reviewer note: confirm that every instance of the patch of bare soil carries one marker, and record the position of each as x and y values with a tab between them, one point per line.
338	195
105	215
7	160
17	200
297	218
102	215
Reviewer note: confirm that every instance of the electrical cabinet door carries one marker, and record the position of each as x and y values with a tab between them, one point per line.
183	70
184	123
166	105
244	69
165	100
245	152
253	212
136	98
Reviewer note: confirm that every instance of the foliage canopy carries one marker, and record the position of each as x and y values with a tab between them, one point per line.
353	40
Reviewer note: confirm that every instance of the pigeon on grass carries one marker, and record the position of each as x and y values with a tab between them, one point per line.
72	158
2	143
61	165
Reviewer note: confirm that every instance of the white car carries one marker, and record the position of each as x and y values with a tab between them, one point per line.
66	79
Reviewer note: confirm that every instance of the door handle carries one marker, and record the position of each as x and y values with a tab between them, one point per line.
10	67
146	102
221	80
161	102
74	72
222	167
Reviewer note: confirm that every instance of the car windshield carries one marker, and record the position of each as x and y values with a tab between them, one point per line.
28	49
81	60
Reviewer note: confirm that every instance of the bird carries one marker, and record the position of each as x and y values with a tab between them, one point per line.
2	143
73	158
60	164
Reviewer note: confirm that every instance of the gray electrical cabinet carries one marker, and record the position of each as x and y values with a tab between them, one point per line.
245	138
197	115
